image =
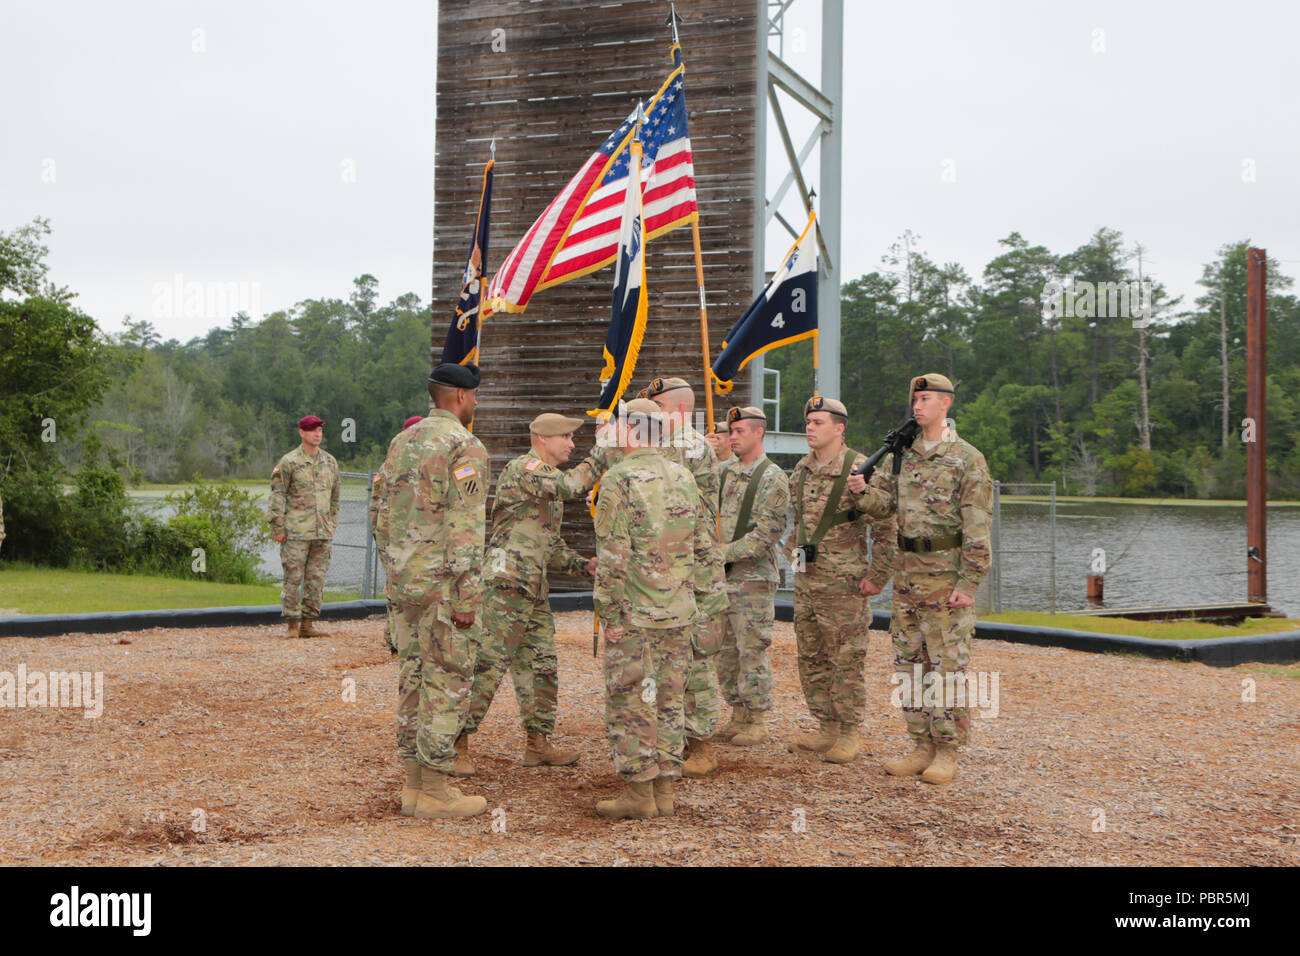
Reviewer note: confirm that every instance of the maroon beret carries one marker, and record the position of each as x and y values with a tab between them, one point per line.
411	421
310	423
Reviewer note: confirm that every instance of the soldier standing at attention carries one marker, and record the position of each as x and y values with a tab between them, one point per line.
942	496
833	581
518	631
682	443
379	529
755	502
650	544
304	514
436	484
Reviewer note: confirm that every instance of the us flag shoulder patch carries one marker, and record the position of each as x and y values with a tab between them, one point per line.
463	473
533	465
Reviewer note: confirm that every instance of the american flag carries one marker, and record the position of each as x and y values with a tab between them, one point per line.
578	232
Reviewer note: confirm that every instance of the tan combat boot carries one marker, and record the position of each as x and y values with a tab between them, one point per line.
411	789
912	763
944	766
664	795
846	745
538	752
754	732
739	718
464	766
637	802
291	627
309	629
700	760
437	801
819	742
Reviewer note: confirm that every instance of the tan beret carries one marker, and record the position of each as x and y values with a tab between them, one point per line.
820	403
549	423
721	426
746	412
933	382
661	385
643	406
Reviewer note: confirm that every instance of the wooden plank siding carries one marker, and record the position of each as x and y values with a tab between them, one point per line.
569	74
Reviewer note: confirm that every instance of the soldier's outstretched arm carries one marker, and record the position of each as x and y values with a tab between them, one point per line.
563	558
614	529
975	495
580	479
466	523
771	504
879	497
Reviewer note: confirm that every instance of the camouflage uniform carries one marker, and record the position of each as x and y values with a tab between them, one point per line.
518	631
654	556
379	529
304	507
744	665
831	615
688	448
431	531
939	492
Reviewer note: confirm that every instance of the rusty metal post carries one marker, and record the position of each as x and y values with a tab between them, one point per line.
1256	411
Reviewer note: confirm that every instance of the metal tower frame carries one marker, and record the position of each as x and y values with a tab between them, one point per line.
825	102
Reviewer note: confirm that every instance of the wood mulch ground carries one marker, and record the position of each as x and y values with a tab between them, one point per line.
1093	759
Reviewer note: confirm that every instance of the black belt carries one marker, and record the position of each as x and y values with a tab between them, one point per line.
941	542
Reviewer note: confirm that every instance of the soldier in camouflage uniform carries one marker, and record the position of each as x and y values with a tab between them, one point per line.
431	531
833	581
755	501
304	513
682	443
942	496
652	548
518	631
379	513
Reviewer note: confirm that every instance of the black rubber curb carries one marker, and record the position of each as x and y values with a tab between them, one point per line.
1216	651
49	625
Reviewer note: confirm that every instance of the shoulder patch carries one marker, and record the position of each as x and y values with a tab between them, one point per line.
467	481
275	471
533	465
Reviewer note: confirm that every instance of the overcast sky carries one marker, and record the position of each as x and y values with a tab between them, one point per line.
289	145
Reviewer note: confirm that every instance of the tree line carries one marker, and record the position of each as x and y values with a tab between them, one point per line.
1094	400
1102	404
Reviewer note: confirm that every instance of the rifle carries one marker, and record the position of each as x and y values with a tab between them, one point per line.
898	439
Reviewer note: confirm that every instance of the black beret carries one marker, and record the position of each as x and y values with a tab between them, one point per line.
456	376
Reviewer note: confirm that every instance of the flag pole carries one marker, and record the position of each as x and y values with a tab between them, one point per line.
817	337
673	20
482	279
704	323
